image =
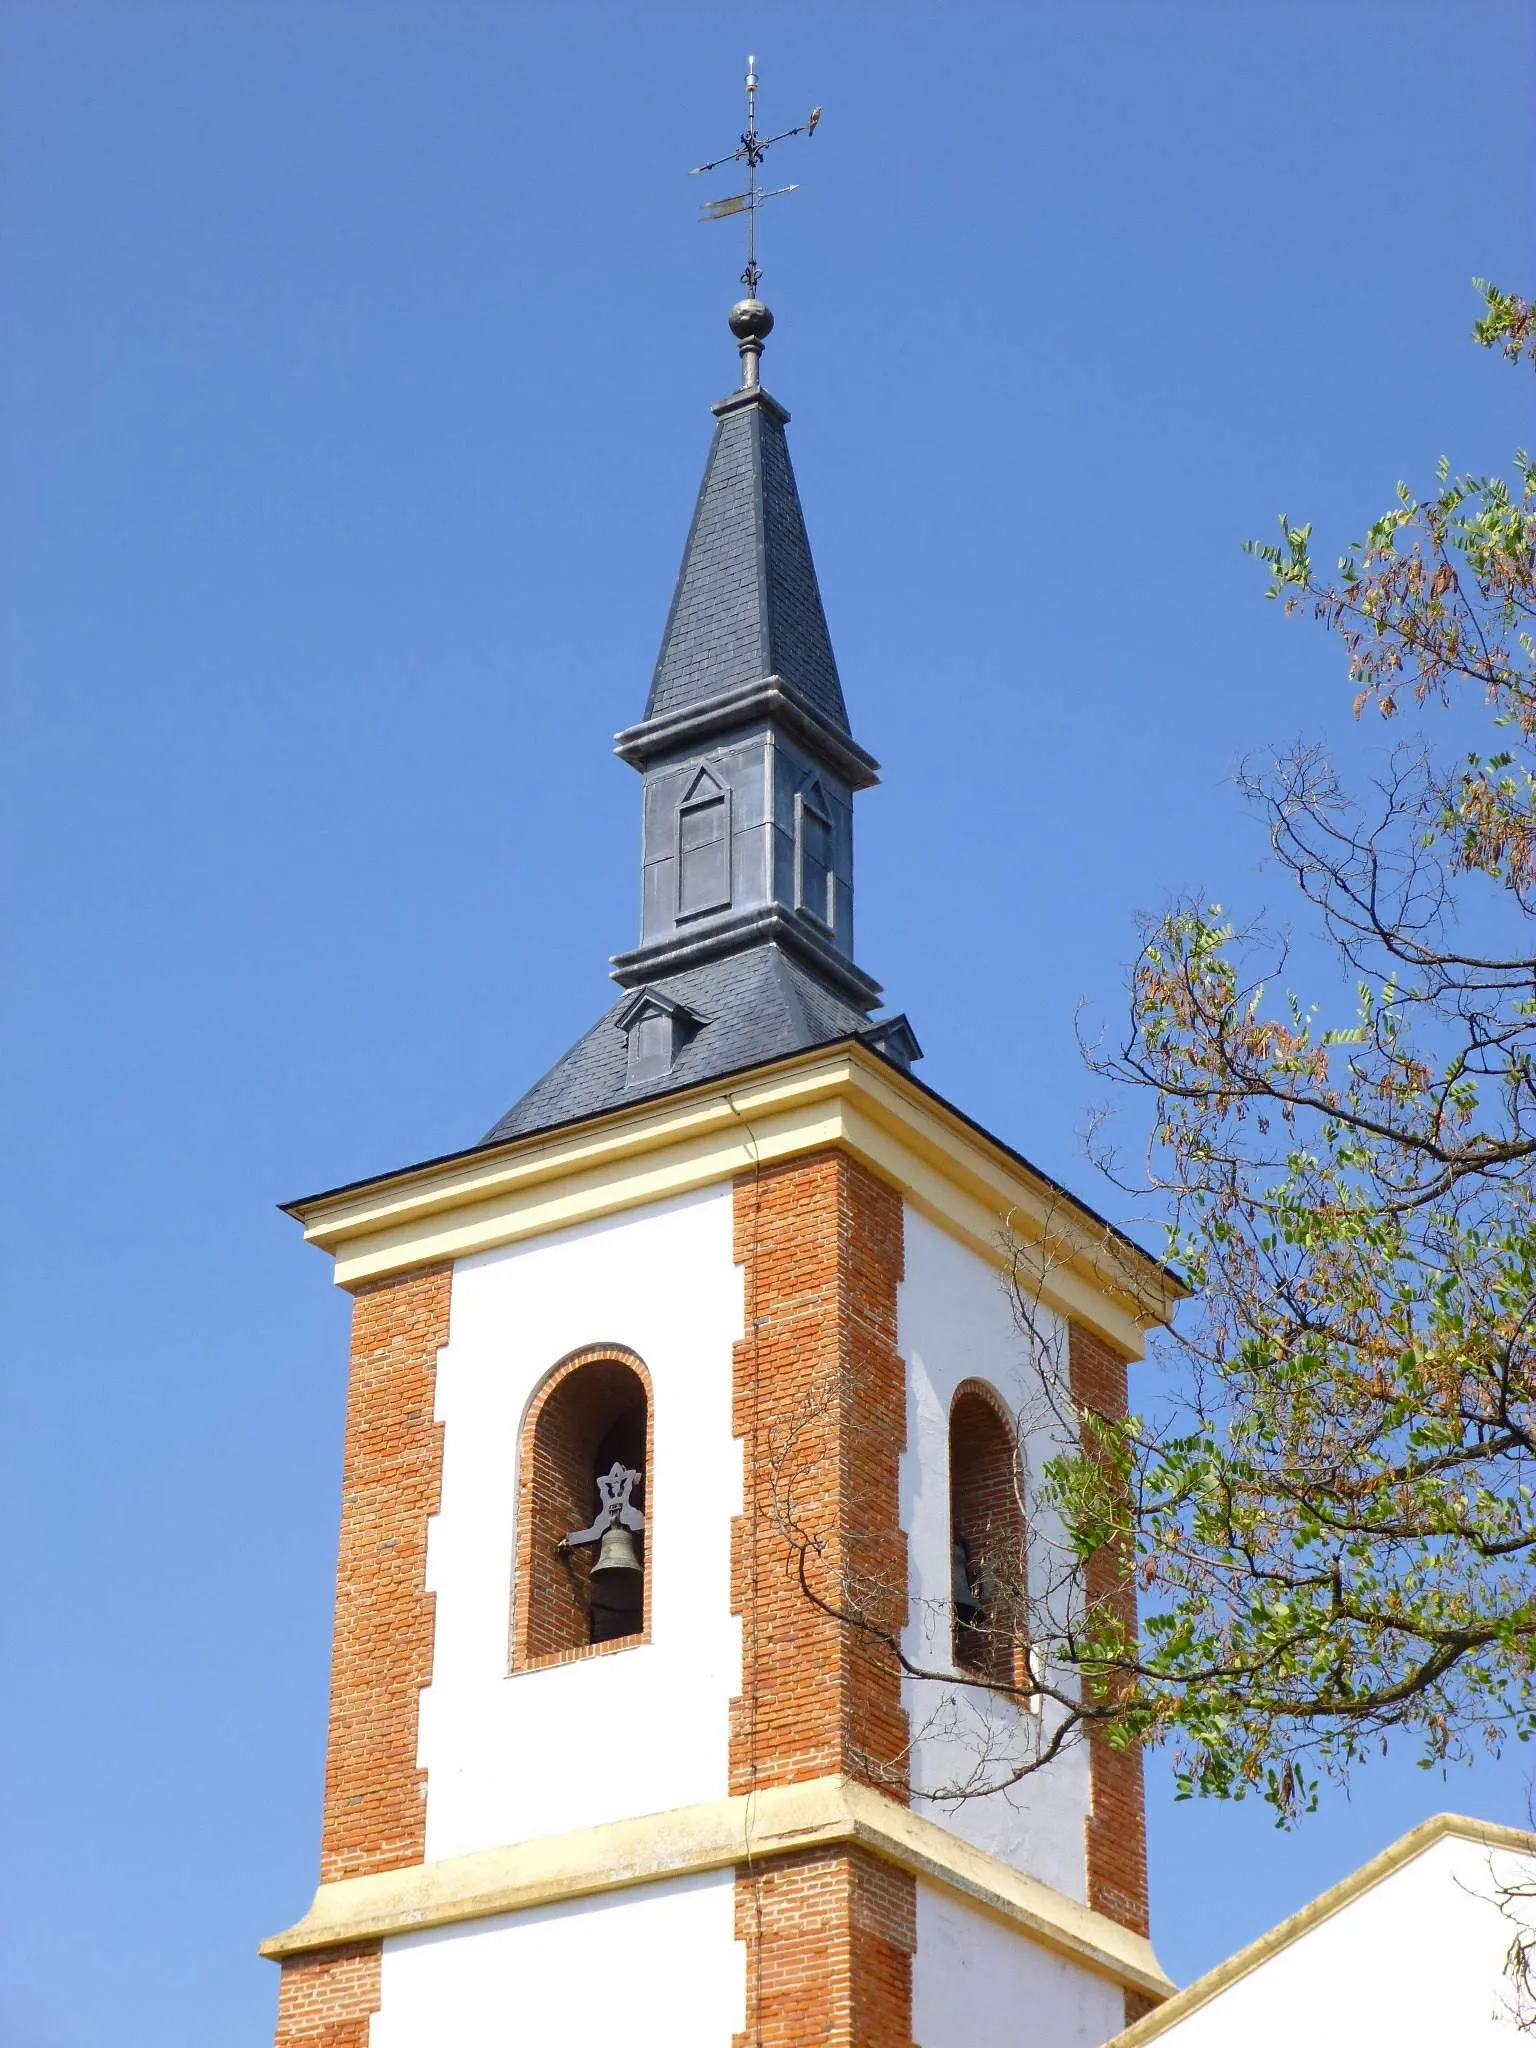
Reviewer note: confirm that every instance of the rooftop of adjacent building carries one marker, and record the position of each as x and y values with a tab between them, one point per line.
1382	1971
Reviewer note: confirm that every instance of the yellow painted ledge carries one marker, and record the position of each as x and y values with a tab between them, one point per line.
953	1172
1491	1834
692	1839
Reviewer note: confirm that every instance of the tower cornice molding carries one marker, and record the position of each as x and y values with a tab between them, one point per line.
777	1821
767	925
843	1096
766	699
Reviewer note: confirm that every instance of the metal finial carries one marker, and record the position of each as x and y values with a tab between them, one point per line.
750	319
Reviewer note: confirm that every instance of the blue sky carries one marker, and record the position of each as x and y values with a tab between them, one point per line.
356	367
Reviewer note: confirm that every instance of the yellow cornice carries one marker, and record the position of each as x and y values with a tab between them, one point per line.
1490	1834
845	1096
692	1839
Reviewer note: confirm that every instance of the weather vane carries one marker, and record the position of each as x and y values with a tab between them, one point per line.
750	151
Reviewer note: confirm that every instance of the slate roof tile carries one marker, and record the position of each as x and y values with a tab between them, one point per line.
758	1005
747	604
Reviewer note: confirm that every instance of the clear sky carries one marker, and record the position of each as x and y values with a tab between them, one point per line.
356	364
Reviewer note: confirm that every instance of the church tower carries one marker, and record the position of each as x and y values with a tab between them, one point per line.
705	1344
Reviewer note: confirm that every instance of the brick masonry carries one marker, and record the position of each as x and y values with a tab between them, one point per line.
392	1463
326	2000
820	1399
1116	1830
829	1936
375	1797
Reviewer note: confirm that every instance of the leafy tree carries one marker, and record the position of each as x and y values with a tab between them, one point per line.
1333	1523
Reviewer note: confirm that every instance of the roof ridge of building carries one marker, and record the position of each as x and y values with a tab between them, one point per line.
1332	1899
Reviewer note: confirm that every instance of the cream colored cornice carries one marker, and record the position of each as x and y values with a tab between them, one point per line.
845	1097
824	1812
1490	1834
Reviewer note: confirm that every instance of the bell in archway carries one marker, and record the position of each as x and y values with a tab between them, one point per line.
617	1586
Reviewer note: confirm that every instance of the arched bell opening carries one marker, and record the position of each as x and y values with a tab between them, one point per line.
988	1550
583	1565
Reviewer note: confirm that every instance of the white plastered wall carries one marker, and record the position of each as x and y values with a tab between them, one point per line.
977	1984
656	1967
1417	1961
513	1756
955	1322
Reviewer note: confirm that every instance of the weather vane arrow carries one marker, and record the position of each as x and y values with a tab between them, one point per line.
751	150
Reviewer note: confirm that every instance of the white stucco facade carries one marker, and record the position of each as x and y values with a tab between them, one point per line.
512	1755
1415	1958
653	1967
955	1322
977	1984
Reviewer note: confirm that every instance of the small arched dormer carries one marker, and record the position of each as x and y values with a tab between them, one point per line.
583	1510
815	879
988	1546
704	847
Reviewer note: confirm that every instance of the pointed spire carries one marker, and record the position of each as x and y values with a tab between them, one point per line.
747	607
750	772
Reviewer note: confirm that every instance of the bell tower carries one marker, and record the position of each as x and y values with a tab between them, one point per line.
711	1324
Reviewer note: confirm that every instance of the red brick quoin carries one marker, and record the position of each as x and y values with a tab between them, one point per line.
1116	1829
820	1400
381	1657
829	1936
392	1464
326	2000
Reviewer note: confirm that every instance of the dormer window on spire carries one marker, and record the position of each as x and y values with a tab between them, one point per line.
704	847
814	880
656	1027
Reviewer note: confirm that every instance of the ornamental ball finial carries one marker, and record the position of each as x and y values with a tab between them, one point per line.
750	320
751	323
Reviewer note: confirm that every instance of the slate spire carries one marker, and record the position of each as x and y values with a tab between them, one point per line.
749	764
747	606
750	771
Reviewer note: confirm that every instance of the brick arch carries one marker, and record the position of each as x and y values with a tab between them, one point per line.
986	1513
596	1400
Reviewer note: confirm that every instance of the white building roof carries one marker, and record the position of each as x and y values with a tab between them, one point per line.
1410	1949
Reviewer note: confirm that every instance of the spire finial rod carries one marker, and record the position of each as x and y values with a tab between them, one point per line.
750	319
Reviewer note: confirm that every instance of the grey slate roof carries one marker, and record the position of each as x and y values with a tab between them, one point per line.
746	611
757	1005
747	605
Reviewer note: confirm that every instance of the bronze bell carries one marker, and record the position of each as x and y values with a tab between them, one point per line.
962	1585
617	1587
617	1552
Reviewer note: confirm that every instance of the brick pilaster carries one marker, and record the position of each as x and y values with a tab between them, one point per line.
326	2000
375	1797
1116	1829
820	1400
829	1936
